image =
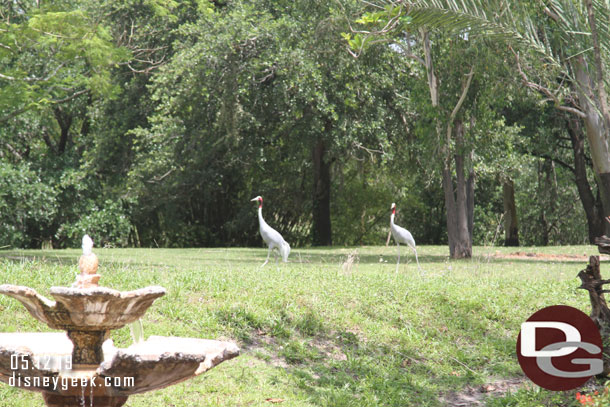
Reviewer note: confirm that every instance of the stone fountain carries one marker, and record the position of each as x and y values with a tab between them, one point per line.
81	366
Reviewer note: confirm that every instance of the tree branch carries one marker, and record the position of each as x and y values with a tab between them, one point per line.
12	114
17	112
541	89
370	151
407	53
33	78
13	151
460	102
551	14
432	81
68	98
48	141
563	164
160	178
572	110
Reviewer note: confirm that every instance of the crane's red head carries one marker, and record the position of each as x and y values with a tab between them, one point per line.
393	209
259	199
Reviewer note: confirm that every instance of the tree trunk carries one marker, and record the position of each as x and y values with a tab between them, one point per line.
511	226
603	185
64	120
459	221
450	207
457	205
592	207
596	135
321	229
470	192
463	247
545	200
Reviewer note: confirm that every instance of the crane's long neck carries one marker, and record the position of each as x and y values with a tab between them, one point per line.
260	215
392	216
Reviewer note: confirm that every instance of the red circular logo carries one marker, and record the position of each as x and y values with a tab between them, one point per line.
559	348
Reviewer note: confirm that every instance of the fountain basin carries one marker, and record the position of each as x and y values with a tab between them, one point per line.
37	362
85	309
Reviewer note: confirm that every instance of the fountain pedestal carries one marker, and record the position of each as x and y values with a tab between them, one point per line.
88	346
53	400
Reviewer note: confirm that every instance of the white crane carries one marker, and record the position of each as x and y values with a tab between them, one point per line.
271	236
402	235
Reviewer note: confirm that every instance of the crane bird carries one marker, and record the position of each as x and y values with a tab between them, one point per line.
271	236
402	235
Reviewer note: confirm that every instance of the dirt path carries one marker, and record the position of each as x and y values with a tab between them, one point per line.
475	396
546	256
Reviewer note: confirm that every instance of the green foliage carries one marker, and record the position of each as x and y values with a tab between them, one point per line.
155	122
55	53
271	89
108	223
27	205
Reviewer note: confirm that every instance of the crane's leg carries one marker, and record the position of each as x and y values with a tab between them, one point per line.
417	260
268	253
398	251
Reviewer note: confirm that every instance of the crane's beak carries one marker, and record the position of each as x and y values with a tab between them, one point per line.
253	199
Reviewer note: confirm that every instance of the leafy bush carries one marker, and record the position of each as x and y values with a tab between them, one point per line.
108	224
27	205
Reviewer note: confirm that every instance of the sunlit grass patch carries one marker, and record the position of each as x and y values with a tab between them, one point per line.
315	334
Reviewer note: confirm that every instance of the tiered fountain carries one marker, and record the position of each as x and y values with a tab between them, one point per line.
82	367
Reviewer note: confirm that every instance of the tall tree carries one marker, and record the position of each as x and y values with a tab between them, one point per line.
572	37
453	102
261	99
56	58
52	54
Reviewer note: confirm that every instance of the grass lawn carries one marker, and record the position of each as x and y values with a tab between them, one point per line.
314	333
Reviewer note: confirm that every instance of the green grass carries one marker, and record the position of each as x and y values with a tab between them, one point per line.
315	334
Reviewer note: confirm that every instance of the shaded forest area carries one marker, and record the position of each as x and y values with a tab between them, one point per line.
154	122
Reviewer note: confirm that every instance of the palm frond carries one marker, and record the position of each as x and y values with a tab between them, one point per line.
493	20
557	30
602	17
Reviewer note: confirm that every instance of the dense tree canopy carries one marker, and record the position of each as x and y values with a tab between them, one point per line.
153	123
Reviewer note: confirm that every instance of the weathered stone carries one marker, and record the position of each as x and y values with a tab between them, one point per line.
153	364
87	346
161	361
90	309
53	400
86	281
88	263
64	365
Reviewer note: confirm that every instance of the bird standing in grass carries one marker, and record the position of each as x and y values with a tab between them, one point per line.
402	235
271	236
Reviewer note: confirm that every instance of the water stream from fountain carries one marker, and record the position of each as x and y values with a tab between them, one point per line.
91	396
